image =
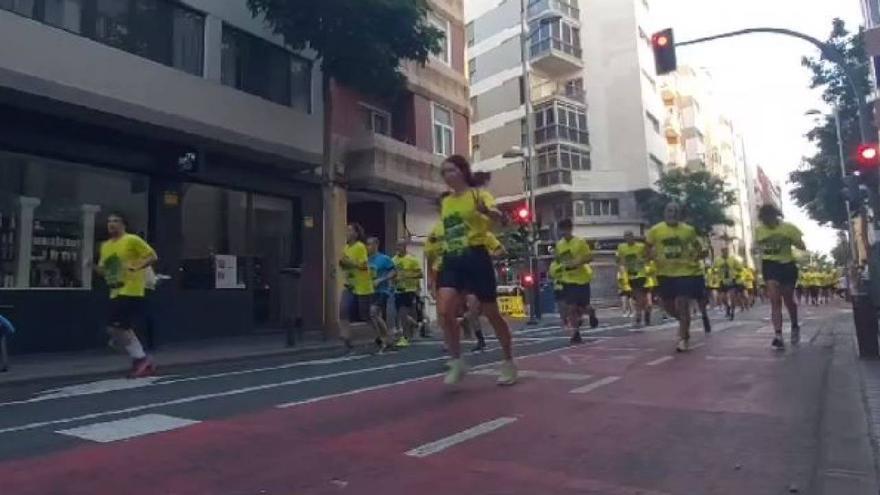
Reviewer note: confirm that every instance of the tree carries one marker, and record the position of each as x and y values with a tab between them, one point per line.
361	44
841	251
818	183
703	196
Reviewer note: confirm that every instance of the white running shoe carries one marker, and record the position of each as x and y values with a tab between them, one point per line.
508	374
683	346
457	370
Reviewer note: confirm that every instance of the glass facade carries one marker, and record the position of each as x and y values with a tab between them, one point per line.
559	121
158	30
555	34
52	219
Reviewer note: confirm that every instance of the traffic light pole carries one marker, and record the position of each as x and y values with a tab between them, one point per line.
864	310
531	179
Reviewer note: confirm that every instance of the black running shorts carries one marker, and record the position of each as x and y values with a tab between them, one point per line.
690	287
471	271
786	274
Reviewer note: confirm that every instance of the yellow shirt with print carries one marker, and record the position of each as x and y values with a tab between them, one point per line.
728	269
409	273
119	258
677	250
623	284
776	243
651	275
463	225
633	257
570	251
358	278
434	247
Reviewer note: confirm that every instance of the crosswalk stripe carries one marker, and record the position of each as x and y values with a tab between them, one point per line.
123	429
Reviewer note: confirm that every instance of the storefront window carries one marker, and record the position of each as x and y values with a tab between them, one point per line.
52	219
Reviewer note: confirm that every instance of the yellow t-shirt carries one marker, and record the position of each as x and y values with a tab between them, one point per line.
728	269
623	284
463	225
434	247
677	250
409	273
574	250
358	279
633	257
555	273
118	258
651	275
713	278
776	243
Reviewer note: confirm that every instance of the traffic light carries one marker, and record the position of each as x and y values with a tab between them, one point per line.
528	280
523	215
868	160
663	43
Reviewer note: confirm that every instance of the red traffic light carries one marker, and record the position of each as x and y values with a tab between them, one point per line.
868	155
523	213
661	40
663	44
528	280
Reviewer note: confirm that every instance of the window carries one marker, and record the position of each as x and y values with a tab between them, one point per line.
603	208
580	209
260	68
563	157
472	68
654	122
475	148
56	211
376	120
446	42
553	33
575	89
159	30
469	32
560	121
443	130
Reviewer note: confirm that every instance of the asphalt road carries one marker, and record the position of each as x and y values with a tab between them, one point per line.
621	414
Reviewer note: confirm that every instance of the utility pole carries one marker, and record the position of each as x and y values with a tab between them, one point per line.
530	178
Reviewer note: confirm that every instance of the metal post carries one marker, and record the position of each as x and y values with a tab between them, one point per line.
528	153
854	255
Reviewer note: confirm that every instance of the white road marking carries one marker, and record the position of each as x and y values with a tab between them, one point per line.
622	349
740	358
120	384
659	361
547	375
123	429
357	391
697	346
238	391
462	436
597	384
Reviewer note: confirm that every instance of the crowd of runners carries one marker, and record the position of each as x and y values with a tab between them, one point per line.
669	269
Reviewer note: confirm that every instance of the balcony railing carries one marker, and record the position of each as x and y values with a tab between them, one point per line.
548	45
385	163
568	9
562	133
553	90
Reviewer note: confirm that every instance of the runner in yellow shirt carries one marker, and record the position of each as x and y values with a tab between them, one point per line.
651	285
729	268
713	285
358	294
408	279
776	241
676	248
632	259
468	214
747	281
573	254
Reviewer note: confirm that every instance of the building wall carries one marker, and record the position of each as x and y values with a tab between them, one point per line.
74	69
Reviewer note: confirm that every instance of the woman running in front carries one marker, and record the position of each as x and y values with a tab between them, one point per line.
775	240
467	215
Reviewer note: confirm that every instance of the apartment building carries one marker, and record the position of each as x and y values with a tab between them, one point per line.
191	119
700	137
596	113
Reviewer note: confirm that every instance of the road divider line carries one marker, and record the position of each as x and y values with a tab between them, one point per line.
357	391
123	429
608	380
659	361
547	375
460	437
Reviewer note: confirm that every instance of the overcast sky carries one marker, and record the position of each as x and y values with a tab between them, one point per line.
758	78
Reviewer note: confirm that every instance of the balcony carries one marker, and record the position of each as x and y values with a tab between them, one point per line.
380	162
672	129
555	90
555	47
539	9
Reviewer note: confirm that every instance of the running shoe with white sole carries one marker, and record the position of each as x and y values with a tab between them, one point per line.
795	335
457	370
683	346
778	343
508	374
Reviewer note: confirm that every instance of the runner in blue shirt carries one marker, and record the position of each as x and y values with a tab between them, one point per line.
382	271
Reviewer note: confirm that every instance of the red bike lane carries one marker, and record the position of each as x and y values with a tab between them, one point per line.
606	418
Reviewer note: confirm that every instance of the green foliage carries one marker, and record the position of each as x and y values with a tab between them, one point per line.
515	242
361	43
818	183
703	196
